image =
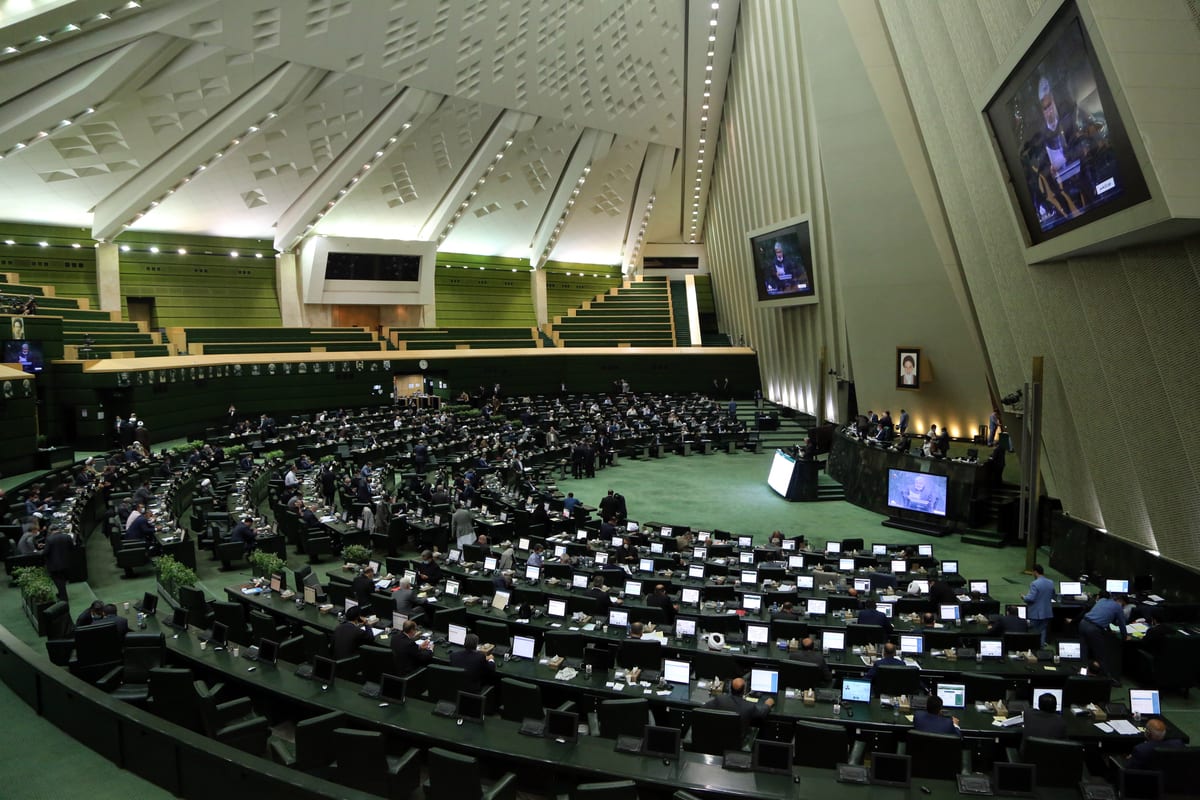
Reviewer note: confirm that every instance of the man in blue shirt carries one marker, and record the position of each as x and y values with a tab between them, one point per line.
1102	648
1039	611
931	720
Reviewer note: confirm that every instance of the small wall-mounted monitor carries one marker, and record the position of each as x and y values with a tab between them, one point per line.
25	352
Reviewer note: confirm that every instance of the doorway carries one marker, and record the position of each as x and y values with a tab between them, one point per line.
350	316
141	309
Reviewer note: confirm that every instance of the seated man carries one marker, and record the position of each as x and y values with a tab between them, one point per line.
351	634
734	700
362	587
428	570
890	659
141	530
1044	722
931	720
474	664
660	599
1010	622
808	653
407	653
244	534
1142	756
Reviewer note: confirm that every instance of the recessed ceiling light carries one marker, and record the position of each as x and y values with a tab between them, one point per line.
124	248
154	250
181	251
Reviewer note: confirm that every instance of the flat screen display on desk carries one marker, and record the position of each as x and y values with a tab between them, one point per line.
685	627
817	605
1070	588
833	640
764	680
696	571
690	596
795	562
1060	136
912	643
676	671
758	634
780	476
856	690
783	264
1116	585
556	608
524	647
916	491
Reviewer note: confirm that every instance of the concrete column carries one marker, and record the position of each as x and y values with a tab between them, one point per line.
693	308
537	286
108	276
287	289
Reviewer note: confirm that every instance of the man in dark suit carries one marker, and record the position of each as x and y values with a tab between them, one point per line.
734	700
1009	623
626	553
931	720
890	659
942	594
809	654
406	652
245	535
141	530
1142	756
93	613
428	570
1044	722
58	560
660	599
788	611
474	664
362	586
603	600
873	616
350	635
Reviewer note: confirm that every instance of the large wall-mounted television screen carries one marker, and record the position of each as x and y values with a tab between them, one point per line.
916	491
1060	136
783	263
372	267
26	352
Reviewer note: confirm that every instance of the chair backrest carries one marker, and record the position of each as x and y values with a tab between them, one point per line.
291	650
799	674
233	616
1059	763
567	644
607	790
788	629
715	731
361	760
1080	690
314	740
600	656
374	661
453	775
520	700
1179	766
984	688
262	626
444	683
316	642
59	624
934	755
821	745
894	680
623	717
639	653
193	600
172	696
1022	642
492	632
857	634
98	643
143	652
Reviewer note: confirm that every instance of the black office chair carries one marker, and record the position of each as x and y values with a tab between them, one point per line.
940	640
639	653
1059	763
821	745
896	680
363	763
1079	690
789	629
97	652
291	650
227	552
313	749
567	644
934	755
1022	642
623	717
495	633
984	688
458	776
129	558
799	675
143	653
316	643
707	664
714	732
374	661
857	635
607	790
850	545
172	696
193	599
1179	767
600	656
233	617
262	626
232	722
59	624
520	700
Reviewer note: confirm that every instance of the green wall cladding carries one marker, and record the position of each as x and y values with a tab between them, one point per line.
69	269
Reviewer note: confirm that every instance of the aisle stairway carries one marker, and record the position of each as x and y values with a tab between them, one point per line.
636	314
792	428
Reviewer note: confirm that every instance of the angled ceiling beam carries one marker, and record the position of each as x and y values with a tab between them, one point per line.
193	153
458	195
74	94
652	179
591	146
402	116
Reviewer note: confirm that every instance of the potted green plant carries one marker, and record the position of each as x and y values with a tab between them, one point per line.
38	593
264	564
356	554
272	455
172	575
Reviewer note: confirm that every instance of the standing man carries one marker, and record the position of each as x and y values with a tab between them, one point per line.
904	422
58	560
993	426
1103	650
1039	611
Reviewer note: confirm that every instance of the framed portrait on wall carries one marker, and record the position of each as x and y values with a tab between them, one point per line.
908	368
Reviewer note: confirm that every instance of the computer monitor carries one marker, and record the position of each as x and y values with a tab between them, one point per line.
696	571
879	549
398	620
562	726
920	586
560	551
645	565
566	513
220	634
925	550
913	643
1022	612
1058	697
665	530
1141	784
949	567
748	576
948	613
845	565
524	647
855	690
772	757
556	608
899	566
1116	585
523	543
890	769
954	695
885	609
268	651
745	541
454	556
804	581
689	596
833	640
179	618
490	563
758	634
1014	780
631	527
685	627
795	562
862	584
703	536
618	617
833	547
991	648
676	671
816	605
746	557
656	548
633	588
410	575
601	558
579	581
471	706
456	634
150	602
500	600
765	681
752	602
788	544
532	573
977	586
616	541
1070	650
324	670
1070	588
1144	701
393	688
660	741
278	582
375	566
699	553
581	535
452	587
310	595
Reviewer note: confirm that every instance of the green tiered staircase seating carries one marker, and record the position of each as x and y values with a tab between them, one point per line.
458	338
637	314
